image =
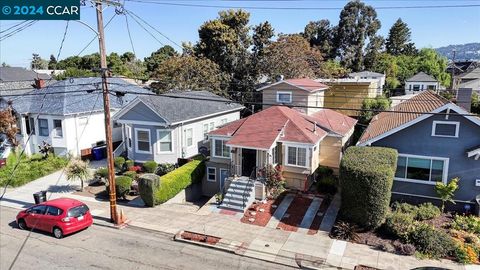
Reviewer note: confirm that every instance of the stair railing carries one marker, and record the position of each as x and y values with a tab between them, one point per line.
252	178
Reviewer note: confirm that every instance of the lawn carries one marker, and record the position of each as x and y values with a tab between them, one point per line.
29	169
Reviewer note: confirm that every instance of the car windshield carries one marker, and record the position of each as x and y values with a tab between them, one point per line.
77	211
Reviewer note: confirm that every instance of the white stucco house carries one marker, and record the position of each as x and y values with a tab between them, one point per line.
421	82
167	127
68	114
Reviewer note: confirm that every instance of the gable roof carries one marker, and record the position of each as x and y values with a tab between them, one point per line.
421	77
386	123
472	74
366	73
17	74
261	130
474	84
308	85
64	98
185	106
333	121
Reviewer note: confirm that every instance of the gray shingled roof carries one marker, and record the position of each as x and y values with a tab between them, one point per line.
421	77
474	84
472	74
366	73
17	74
67	97
174	108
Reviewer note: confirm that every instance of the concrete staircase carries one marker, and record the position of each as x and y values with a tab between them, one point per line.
234	197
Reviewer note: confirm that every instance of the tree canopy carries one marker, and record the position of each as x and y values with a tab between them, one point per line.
398	40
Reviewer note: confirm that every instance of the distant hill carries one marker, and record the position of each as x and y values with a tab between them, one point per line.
469	51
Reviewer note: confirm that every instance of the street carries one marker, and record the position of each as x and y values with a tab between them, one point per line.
106	248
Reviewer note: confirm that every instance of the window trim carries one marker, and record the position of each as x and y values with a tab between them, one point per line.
149	143
56	128
457	128
129	137
284	92
223	145
158	141
429	182
40	128
186	138
215	174
307	161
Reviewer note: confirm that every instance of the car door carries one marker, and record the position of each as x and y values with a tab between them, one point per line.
34	219
51	217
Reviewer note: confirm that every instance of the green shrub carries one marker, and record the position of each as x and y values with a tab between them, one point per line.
431	242
404	208
323	171
366	178
399	224
426	211
177	180
150	166
36	157
131	174
129	163
101	172
119	162
164	168
122	186
466	223
147	184
327	184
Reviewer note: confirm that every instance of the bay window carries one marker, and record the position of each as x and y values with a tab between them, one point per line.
43	127
297	156
220	149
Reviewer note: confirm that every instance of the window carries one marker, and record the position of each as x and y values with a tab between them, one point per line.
78	211
445	129
416	87
29	125
212	126
189	136
284	97
53	211
297	156
220	149
212	174
205	131
421	169
39	209
143	140
57	126
164	141
275	155
224	121
129	137
43	127
431	87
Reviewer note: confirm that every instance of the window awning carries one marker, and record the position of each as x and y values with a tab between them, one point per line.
474	153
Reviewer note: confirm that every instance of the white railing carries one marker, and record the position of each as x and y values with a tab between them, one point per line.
119	150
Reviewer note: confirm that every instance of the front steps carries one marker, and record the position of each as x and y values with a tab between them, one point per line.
240	195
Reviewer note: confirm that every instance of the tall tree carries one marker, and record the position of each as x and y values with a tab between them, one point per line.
358	23
153	61
321	35
226	41
374	48
38	62
431	62
52	64
398	40
189	72
262	35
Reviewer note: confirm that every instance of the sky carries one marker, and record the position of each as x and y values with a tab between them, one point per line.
431	27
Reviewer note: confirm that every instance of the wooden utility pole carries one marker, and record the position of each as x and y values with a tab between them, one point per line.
106	107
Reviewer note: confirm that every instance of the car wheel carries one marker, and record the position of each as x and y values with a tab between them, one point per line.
21	224
57	232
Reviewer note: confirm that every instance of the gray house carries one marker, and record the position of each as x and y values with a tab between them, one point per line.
431	147
18	80
168	127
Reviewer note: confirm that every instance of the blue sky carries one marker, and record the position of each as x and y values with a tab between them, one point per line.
430	27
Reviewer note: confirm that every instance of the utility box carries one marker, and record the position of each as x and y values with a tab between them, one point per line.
259	191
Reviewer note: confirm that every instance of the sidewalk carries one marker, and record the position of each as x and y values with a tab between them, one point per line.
270	244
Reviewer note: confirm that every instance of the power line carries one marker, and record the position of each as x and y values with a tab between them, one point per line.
146	30
130	35
95	37
18	30
16	25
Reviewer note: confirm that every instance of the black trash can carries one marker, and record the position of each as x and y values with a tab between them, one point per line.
40	197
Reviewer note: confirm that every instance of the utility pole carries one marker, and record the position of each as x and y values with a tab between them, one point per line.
106	107
453	69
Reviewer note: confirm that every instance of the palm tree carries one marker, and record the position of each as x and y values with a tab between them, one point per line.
77	169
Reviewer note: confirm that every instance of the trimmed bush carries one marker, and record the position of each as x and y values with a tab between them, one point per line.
366	178
122	186
131	174
101	172
431	242
399	224
426	211
177	180
327	184
164	168
150	166
119	162
129	163
147	184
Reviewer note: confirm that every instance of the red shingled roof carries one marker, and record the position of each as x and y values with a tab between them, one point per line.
334	121
304	84
261	130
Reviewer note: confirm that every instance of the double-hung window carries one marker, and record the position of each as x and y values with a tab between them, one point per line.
43	127
284	97
297	156
205	131
419	169
164	141
220	149
445	129
212	174
189	136
57	125
143	140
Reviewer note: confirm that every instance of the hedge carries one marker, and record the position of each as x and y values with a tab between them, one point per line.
366	178
179	179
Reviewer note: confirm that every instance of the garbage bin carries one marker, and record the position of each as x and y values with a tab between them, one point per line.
40	197
98	153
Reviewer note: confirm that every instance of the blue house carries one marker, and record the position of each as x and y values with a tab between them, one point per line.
432	147
167	127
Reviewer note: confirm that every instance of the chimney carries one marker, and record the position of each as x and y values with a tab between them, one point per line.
464	98
39	83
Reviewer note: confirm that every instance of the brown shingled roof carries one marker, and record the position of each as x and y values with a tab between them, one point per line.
424	102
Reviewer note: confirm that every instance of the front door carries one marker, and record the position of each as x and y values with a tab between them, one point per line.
249	161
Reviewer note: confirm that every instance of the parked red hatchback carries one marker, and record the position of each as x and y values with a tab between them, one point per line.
59	216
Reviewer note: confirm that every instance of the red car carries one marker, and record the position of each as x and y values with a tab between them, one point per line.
59	216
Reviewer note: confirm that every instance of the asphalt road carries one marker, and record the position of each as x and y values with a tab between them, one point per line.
106	248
